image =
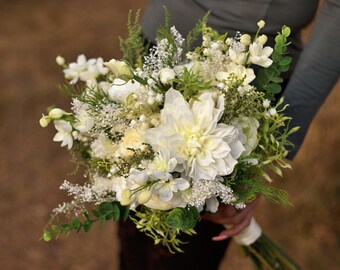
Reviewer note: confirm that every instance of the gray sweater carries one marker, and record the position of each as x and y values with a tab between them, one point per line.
315	72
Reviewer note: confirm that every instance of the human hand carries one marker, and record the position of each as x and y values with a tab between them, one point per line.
236	219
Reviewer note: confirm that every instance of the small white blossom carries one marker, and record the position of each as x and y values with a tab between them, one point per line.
64	134
272	111
266	103
259	55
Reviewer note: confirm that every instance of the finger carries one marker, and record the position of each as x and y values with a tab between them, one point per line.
234	230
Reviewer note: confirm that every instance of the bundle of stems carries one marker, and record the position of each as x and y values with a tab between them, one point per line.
267	255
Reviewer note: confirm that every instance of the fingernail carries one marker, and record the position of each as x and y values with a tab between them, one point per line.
220	237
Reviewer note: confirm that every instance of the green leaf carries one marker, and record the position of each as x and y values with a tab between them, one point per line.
76	224
285	61
56	229
105	207
47	236
276	79
116	212
125	212
95	213
87	227
286	31
284	68
273	88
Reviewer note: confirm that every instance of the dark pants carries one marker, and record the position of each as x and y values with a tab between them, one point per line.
139	252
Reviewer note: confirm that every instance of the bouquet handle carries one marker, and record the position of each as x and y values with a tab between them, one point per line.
265	253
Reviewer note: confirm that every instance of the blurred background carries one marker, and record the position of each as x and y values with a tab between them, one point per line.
32	34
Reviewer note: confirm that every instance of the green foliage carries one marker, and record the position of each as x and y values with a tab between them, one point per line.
105	212
163	32
268	79
191	83
154	223
182	218
132	47
195	33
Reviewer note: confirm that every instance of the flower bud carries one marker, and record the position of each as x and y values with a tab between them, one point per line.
126	197
166	75
56	113
266	103
120	69
144	196
245	39
272	111
44	121
262	39
261	24
60	60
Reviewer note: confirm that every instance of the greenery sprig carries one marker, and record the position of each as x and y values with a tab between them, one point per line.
165	226
105	212
133	47
268	79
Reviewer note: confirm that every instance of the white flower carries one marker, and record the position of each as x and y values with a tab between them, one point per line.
121	89
167	186
266	103
259	55
212	204
166	75
132	139
84	122
238	58
162	162
103	147
239	71
247	127
193	136
120	69
272	111
75	69
95	67
64	134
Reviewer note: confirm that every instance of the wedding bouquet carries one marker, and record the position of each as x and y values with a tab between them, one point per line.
169	133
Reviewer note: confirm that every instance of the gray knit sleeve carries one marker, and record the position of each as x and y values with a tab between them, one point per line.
316	73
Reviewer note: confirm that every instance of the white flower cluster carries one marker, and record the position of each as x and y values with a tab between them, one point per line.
85	70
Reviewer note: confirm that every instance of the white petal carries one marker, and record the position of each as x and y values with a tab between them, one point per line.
212	204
